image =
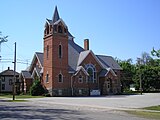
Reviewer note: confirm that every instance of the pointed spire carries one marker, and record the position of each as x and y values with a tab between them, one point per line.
56	15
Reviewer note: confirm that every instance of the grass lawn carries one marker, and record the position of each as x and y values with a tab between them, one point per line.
5	95
157	108
148	114
144	114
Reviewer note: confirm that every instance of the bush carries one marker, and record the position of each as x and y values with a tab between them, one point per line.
37	89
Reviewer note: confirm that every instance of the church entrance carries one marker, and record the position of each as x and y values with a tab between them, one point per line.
107	86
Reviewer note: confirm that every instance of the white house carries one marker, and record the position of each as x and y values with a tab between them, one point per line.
6	80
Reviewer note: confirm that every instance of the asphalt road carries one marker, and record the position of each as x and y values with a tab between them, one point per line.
76	108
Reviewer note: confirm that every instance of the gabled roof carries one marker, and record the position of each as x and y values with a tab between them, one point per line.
8	73
49	21
55	15
84	54
105	72
39	57
36	71
79	68
26	74
60	20
108	62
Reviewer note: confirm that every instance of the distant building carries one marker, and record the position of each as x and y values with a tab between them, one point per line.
34	72
66	69
6	81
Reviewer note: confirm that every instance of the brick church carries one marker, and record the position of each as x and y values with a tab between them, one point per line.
69	69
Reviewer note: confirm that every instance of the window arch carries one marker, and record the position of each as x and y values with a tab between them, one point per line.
60	78
55	28
47	77
60	29
60	51
80	79
90	68
47	52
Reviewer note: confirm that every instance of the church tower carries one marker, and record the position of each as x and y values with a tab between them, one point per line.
55	59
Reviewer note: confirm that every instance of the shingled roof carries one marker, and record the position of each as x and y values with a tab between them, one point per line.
73	54
26	74
8	72
108	62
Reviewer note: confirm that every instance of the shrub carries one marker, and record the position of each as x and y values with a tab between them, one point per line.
37	89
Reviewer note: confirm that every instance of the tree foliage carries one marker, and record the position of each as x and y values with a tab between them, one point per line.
127	73
155	52
37	89
147	69
3	38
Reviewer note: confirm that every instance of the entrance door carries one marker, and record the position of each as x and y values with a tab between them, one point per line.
108	85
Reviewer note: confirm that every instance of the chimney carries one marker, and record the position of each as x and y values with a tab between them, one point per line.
86	44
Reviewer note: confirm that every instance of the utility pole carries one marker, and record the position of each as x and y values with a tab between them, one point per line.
140	79
14	77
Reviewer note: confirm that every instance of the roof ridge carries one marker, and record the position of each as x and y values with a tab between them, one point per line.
104	55
39	52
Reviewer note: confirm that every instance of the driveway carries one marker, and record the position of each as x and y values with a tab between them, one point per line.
107	102
77	108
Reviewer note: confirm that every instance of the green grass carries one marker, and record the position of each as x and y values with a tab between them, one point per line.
7	95
157	108
147	114
144	114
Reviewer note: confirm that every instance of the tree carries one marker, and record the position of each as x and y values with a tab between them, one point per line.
37	88
149	74
145	58
2	39
155	52
127	73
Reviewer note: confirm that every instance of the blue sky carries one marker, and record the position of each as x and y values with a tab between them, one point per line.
120	28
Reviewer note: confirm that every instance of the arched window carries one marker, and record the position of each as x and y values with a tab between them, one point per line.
60	51
55	28
47	77
47	51
80	79
60	78
60	29
92	72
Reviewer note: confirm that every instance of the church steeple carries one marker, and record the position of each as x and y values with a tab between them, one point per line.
56	15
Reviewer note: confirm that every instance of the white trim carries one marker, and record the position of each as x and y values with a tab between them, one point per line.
89	51
79	69
60	20
109	69
33	60
91	66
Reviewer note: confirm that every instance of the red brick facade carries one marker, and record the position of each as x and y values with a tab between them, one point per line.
61	77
